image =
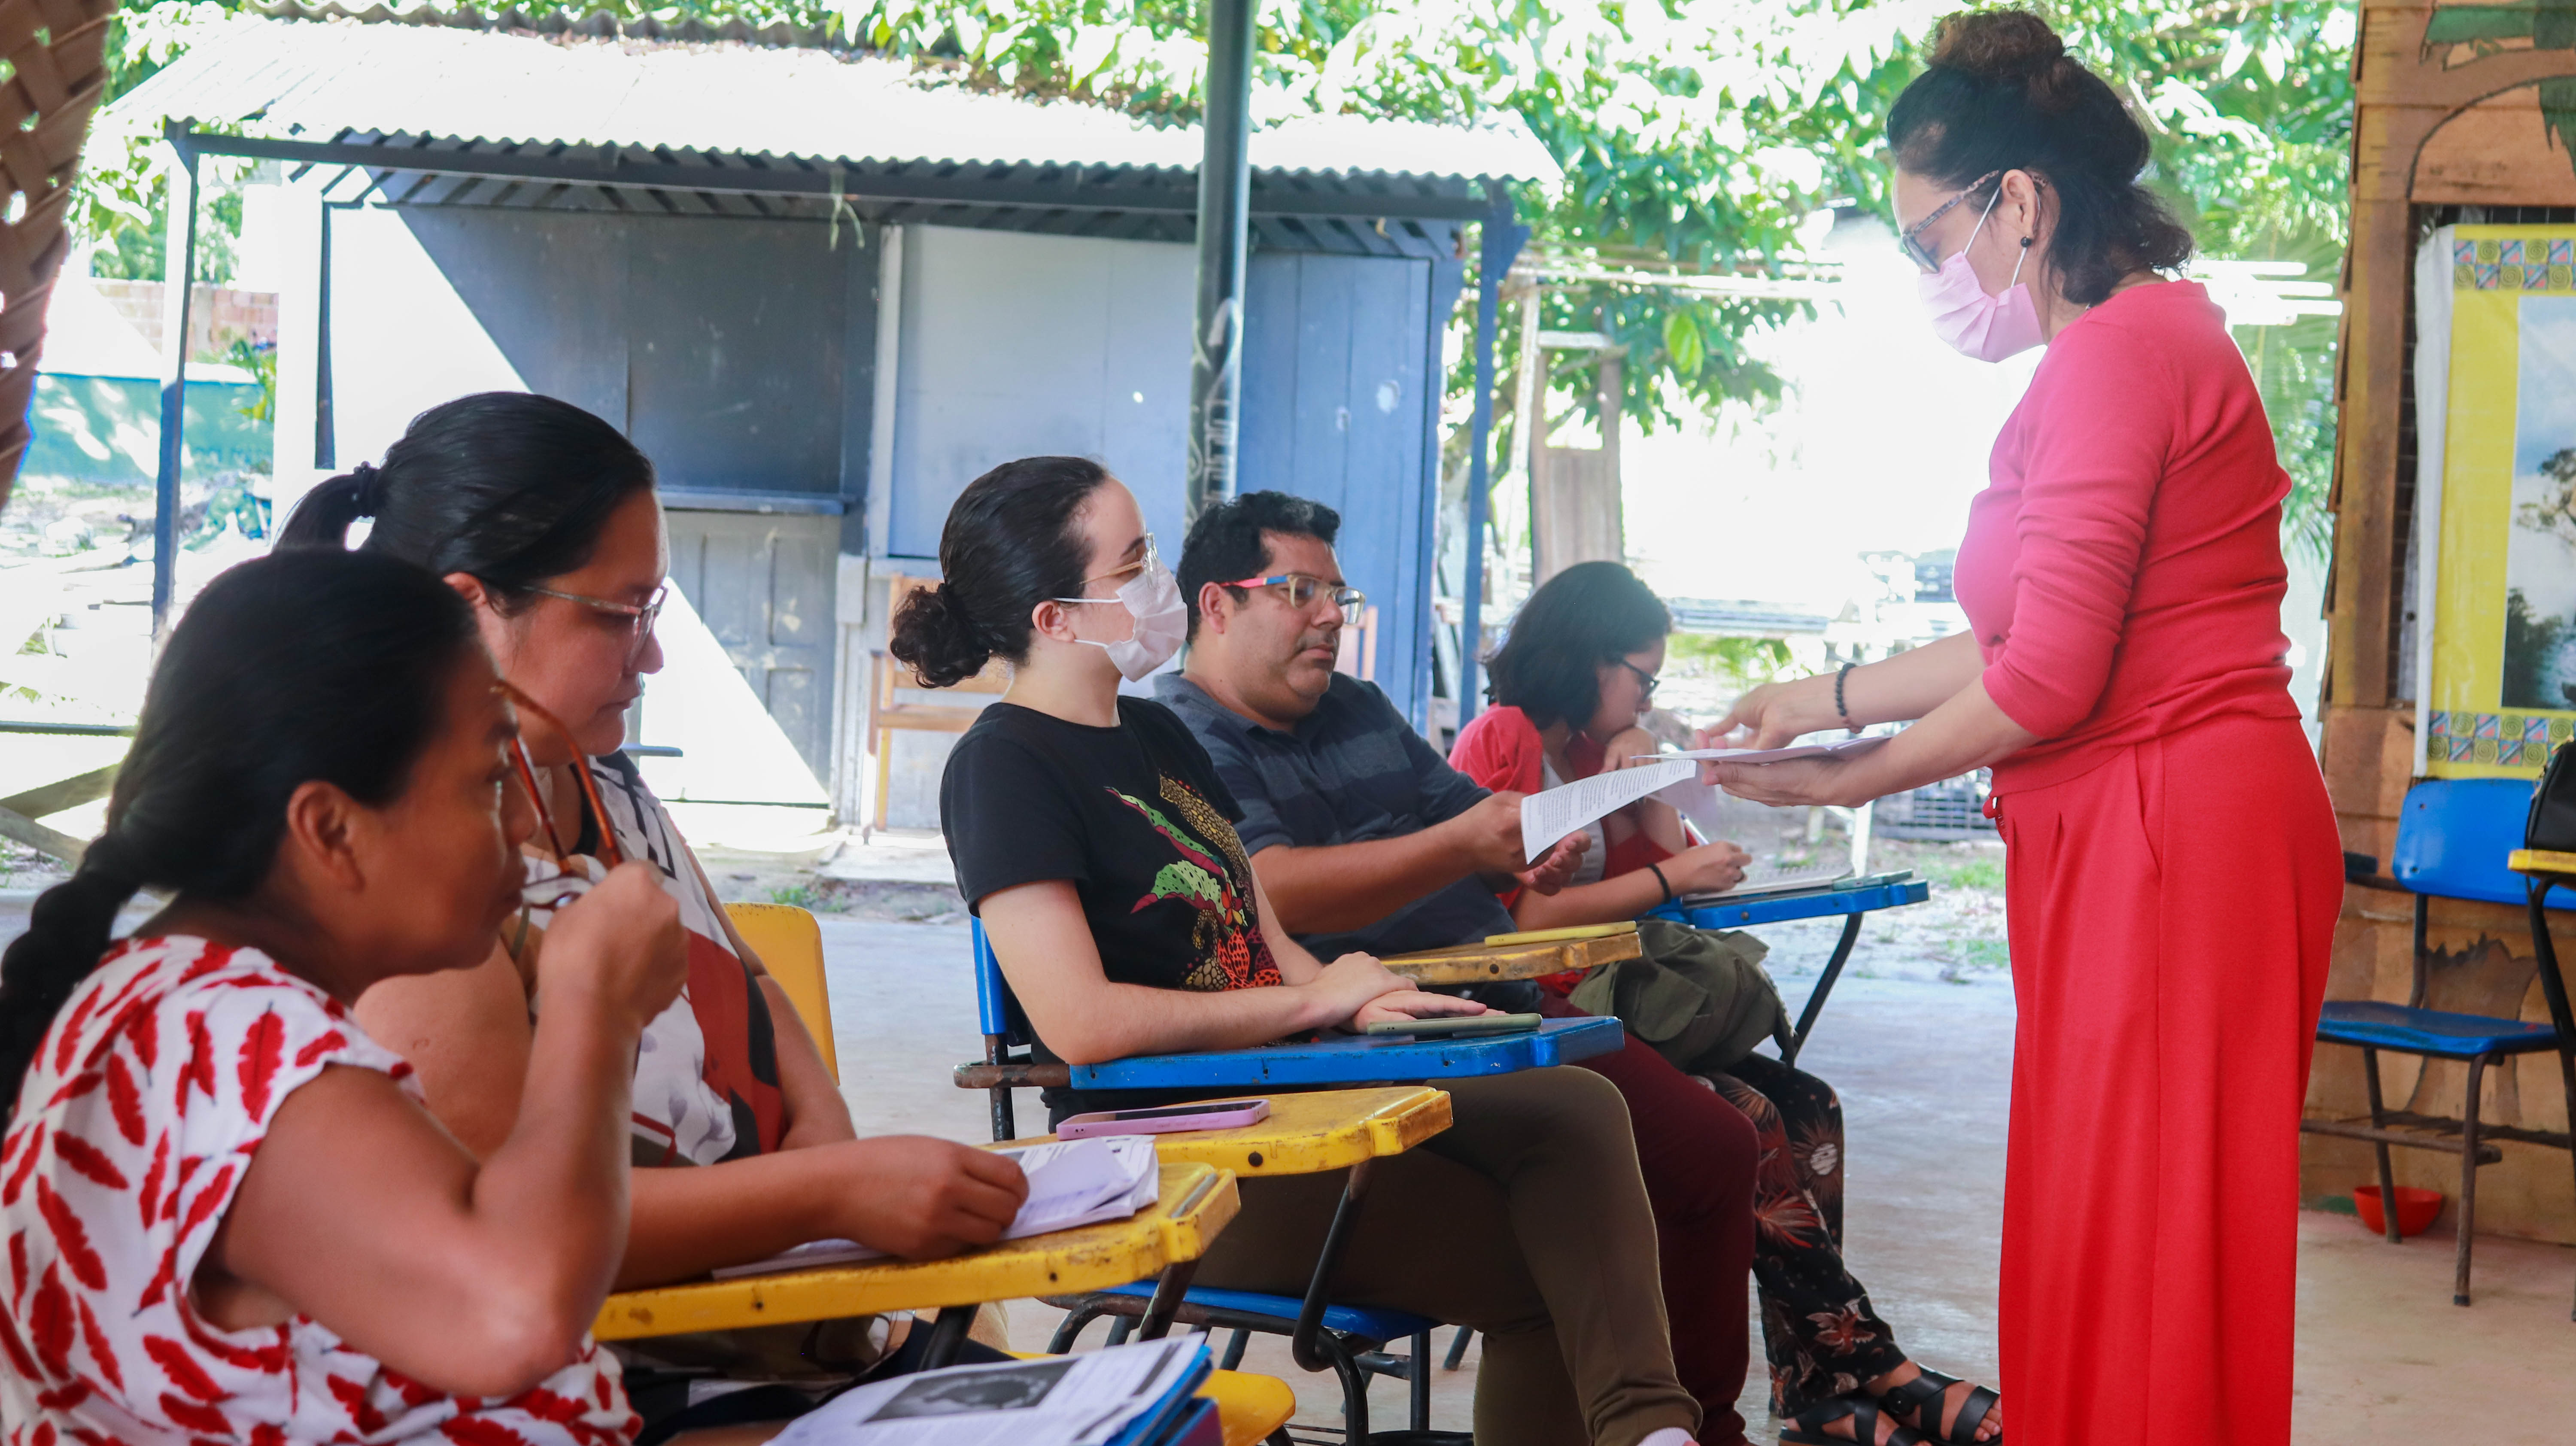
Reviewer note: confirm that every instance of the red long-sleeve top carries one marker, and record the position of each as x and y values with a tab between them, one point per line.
2123	569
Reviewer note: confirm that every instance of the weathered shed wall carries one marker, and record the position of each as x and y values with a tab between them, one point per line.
2440	123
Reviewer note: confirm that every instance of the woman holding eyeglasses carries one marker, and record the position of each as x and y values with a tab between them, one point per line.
542	517
2173	870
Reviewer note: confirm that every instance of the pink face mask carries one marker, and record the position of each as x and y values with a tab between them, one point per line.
1989	328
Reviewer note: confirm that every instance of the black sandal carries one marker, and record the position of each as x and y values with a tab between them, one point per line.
1807	1428
1923	1397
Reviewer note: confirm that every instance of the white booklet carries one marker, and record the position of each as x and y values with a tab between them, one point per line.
1549	816
1071	1182
1846	748
1095	1399
1557	812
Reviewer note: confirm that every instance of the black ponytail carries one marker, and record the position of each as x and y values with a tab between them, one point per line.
301	666
506	487
1010	543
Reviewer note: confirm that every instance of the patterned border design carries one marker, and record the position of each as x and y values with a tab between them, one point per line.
2532	265
2504	740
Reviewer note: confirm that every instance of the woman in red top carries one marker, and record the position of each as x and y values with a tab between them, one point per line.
2172	871
1569	686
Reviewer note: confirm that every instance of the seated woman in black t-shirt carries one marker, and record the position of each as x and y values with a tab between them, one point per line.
1091	835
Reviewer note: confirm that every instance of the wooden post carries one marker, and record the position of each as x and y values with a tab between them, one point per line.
2436	123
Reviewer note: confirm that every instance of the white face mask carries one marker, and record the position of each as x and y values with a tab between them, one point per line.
1162	620
1989	328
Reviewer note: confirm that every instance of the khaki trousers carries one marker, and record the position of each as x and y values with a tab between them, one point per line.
1526	1220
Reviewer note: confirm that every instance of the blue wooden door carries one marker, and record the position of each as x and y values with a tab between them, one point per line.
1338	406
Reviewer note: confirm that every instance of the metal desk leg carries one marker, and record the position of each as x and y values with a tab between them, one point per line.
947	1336
1824	987
2468	1221
1305	1343
1005	1127
2379	1121
1420	1381
1166	1304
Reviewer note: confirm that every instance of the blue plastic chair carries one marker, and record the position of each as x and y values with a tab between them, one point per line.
1348	1340
1852	903
2453	837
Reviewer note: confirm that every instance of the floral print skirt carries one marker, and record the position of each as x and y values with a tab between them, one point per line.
1818	1328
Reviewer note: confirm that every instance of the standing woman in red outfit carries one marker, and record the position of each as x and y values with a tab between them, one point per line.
2172	868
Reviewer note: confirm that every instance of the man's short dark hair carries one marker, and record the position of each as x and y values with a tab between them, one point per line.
1226	542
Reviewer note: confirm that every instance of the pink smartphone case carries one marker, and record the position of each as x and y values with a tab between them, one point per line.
1225	1115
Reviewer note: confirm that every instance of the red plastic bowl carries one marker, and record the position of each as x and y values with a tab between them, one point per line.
2415	1209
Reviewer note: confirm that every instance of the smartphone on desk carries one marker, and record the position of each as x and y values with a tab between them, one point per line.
1166	1119
1452	1026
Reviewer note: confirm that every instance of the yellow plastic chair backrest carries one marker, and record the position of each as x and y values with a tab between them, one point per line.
790	943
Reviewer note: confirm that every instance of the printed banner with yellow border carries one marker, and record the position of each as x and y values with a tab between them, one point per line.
2502	666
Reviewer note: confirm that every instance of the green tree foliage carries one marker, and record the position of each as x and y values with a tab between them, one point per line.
1692	133
2531	643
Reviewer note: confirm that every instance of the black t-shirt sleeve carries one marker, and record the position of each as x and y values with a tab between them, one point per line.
1174	746
1009	816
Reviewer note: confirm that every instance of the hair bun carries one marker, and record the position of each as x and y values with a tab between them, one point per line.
370	490
1997	44
935	635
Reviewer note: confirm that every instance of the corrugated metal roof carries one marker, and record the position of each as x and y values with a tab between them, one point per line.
320	79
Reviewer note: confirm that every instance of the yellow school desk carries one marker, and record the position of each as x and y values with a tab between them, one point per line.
1197	1202
1515	959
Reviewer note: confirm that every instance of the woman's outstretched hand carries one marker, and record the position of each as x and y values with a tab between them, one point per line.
1773	716
1811	781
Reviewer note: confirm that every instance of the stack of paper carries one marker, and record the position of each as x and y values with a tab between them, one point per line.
1071	1182
1138	1395
1673	777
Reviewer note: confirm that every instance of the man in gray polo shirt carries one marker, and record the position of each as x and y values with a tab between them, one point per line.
1365	838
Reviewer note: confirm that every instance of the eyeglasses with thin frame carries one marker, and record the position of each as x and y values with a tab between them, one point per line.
640	617
1648	680
1909	242
1301	590
1147	563
524	764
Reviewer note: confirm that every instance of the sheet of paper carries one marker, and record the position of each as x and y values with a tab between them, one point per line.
1083	1400
1697	802
1071	1183
1844	749
1549	816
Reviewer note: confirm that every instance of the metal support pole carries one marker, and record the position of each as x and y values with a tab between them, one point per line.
178	275
1225	201
1502	241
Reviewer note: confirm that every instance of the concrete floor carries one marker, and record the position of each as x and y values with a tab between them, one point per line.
1922	1065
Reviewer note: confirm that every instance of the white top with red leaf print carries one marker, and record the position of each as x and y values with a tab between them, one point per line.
137	1120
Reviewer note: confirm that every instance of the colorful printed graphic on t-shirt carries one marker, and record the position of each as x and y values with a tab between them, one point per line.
1227	935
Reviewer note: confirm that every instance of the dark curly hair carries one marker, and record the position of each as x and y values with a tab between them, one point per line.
1590	614
1227	541
2002	94
1010	543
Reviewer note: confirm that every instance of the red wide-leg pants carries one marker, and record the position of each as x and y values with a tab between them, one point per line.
2171	913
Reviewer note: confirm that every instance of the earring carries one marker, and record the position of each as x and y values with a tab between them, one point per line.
2025	243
